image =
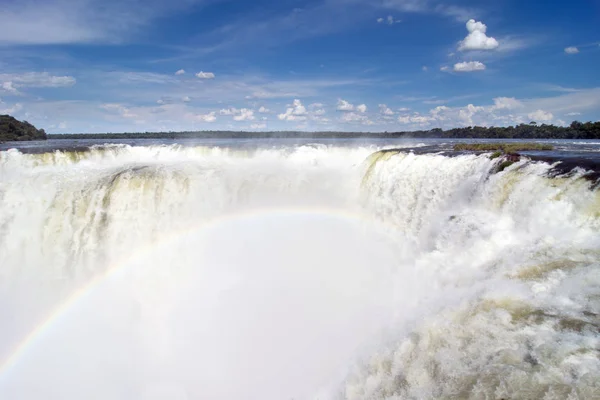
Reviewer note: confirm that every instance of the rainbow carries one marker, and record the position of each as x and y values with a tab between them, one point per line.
250	216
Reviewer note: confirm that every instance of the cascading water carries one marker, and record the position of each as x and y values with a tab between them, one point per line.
168	272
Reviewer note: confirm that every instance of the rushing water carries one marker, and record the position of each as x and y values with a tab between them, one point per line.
284	269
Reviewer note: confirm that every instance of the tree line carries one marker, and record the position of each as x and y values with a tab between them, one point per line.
577	130
12	129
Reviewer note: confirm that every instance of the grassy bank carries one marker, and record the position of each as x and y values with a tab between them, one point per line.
503	147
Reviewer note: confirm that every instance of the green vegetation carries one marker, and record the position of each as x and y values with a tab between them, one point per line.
502	147
577	130
503	165
495	155
13	129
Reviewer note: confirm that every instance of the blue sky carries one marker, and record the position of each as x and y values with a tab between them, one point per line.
351	65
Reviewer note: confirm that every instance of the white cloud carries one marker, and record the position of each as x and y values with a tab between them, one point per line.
165	100
36	80
120	109
205	75
316	111
388	20
229	111
571	50
385	110
32	22
258	126
8	87
425	68
343	105
504	111
11	110
573	114
352	117
445	68
404	109
136	77
540	115
263	110
186	99
469	66
466	113
415	119
180	72
210	117
477	38
295	112
506	103
361	108
244	115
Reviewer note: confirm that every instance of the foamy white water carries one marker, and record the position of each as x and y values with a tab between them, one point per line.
306	272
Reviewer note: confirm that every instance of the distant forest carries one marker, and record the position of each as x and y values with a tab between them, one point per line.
577	130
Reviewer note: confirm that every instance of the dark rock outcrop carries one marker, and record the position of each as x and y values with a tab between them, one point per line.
12	129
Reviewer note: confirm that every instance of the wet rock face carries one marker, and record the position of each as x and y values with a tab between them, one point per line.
513	157
12	129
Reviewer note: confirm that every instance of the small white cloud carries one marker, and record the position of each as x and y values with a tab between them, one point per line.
445	68
120	109
438	110
385	110
12	110
477	38
180	72
388	20
573	114
244	115
361	108
258	126
37	80
352	117
571	50
8	87
295	112
506	103
343	105
540	115
424	68
404	109
205	75
263	110
165	100
186	99
316	110
229	111
415	119
210	117
469	66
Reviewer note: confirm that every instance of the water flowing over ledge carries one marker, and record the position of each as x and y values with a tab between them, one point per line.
441	276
